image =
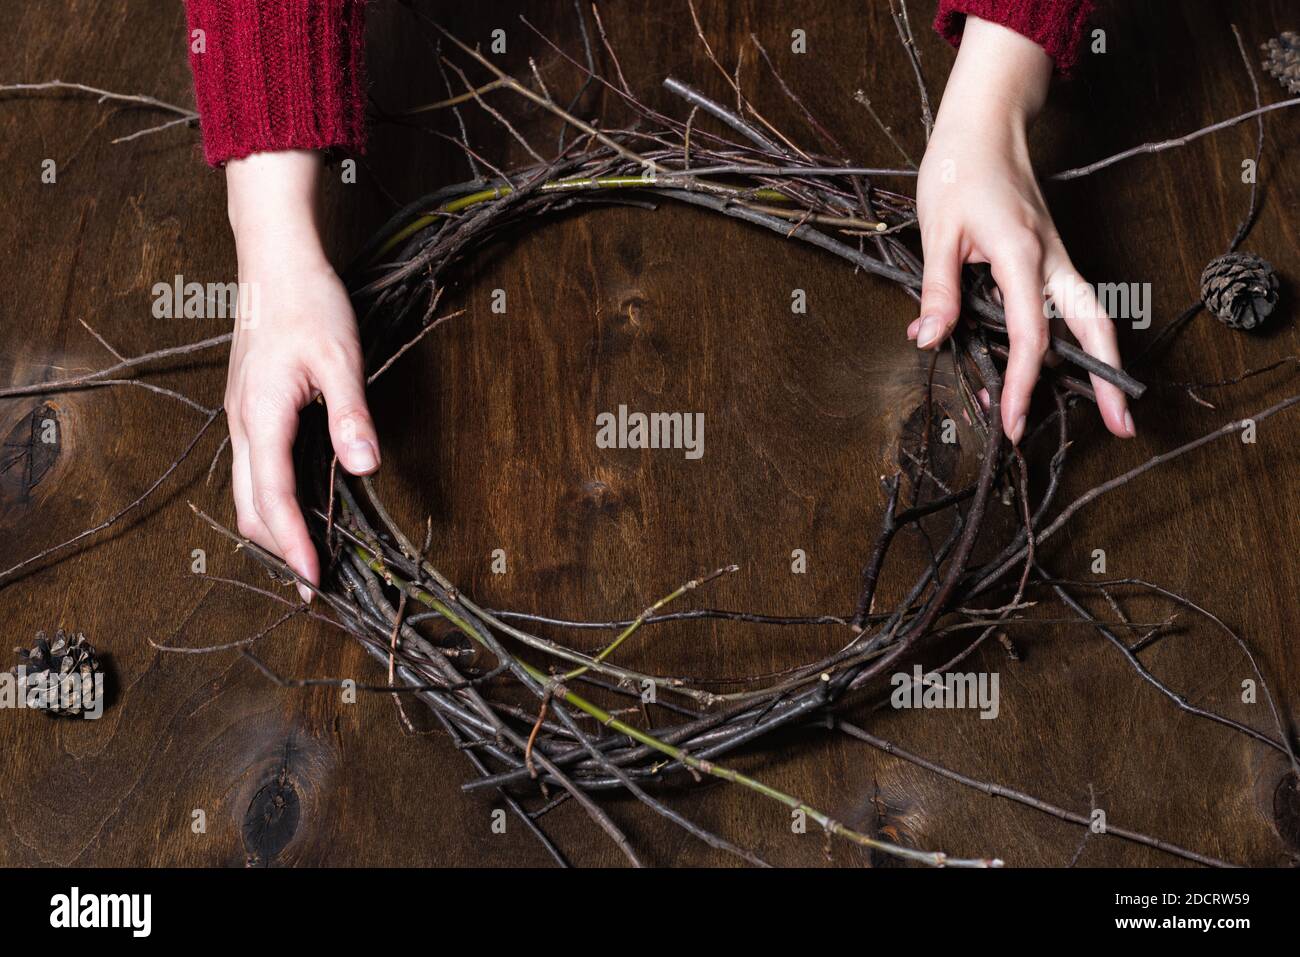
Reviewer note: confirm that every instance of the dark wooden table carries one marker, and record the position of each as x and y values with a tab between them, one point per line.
488	430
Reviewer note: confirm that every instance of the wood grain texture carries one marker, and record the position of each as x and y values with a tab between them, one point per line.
488	430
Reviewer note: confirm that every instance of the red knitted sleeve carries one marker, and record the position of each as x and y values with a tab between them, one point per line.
278	74
1055	25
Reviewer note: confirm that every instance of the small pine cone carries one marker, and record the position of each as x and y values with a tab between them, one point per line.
71	660
1282	59
1240	289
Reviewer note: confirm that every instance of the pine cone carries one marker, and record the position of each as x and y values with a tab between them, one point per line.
1283	59
67	667
1240	289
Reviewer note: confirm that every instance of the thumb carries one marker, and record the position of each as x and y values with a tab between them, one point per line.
352	431
940	292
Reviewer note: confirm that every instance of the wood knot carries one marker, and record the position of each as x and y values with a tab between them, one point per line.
595	499
271	820
631	310
590	503
597	495
928	446
281	806
1286	810
28	452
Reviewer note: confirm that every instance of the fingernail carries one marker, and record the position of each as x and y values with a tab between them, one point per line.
1129	427
1017	431
363	455
305	593
928	333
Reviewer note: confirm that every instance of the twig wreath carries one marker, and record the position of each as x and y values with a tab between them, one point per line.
540	721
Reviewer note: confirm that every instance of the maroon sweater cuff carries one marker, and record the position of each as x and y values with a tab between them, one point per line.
278	74
1055	25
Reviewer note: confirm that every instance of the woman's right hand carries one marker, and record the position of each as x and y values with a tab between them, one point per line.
979	202
295	338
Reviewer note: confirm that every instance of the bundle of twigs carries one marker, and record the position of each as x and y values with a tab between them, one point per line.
540	721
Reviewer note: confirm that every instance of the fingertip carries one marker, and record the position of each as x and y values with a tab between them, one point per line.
1017	430
352	434
360	457
931	332
1015	414
304	566
1121	426
1114	410
912	328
